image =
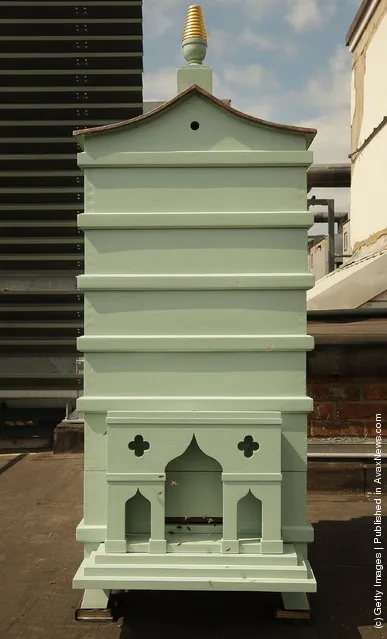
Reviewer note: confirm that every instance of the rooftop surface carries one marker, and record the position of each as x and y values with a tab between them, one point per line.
40	505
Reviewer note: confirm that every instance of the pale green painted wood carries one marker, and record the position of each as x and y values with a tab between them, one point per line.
278	581
266	460
196	159
95	432
188	282
192	343
218	131
294	506
284	403
199	313
293	446
90	547
195	189
90	533
95	497
94	599
205	374
195	339
198	251
207	219
294	442
199	74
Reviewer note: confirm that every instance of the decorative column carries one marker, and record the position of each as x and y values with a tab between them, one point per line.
194	50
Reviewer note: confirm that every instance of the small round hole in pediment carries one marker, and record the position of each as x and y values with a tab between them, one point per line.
194	125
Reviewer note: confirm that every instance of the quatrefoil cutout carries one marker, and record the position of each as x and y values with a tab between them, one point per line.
248	446
138	445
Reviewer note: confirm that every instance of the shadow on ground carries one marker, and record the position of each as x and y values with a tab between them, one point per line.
342	558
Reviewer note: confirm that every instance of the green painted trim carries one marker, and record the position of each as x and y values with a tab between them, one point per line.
103	404
191	343
136	477
219	281
185	577
196	159
298	533
189	417
269	219
251	477
90	533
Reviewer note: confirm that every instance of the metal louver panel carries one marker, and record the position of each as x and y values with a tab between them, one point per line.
63	65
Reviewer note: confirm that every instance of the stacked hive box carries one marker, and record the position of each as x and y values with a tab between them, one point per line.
195	346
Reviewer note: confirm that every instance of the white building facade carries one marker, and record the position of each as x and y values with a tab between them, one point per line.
367	42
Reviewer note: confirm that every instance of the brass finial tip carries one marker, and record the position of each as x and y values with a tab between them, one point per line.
194	24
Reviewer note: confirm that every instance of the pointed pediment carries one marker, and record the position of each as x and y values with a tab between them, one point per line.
195	121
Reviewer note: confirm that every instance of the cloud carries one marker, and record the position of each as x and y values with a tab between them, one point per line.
250	76
300	15
304	14
267	43
221	42
329	88
160	85
159	17
332	142
262	108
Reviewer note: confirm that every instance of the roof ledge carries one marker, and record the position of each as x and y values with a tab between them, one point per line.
351	285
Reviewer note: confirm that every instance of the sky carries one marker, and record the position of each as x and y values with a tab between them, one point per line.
280	60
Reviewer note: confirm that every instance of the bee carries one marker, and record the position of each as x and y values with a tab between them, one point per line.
179	543
173	483
161	492
228	549
188	528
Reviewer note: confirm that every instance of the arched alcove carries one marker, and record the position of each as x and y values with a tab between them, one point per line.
138	516
249	517
193	489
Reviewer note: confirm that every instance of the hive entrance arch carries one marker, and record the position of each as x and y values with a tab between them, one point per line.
138	516
193	479
249	517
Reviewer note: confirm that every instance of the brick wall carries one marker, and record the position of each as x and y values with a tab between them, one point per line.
349	386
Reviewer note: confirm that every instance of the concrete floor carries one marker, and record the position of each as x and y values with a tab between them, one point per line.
40	505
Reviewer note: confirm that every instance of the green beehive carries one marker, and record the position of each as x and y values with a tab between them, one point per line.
195	347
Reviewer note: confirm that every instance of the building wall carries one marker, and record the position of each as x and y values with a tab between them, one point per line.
349	386
369	89
369	189
369	107
319	254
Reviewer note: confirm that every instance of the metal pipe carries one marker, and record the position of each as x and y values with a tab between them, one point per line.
331	235
313	201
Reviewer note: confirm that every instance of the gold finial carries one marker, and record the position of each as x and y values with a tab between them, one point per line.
194	25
